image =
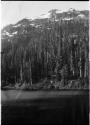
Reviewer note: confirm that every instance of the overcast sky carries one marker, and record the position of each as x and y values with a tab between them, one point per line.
13	11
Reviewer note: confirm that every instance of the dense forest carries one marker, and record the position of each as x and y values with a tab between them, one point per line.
54	53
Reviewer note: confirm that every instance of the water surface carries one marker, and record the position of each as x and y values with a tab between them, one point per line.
60	107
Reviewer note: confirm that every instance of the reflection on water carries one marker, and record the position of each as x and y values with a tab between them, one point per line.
57	109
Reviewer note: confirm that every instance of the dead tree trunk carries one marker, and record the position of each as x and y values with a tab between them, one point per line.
21	75
30	73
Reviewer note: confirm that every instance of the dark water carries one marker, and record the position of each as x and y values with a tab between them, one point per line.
73	110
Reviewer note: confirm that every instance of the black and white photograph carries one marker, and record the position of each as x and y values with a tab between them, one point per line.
45	62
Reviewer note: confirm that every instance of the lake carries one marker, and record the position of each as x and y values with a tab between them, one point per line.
60	107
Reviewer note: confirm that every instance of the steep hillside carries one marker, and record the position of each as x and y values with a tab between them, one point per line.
55	44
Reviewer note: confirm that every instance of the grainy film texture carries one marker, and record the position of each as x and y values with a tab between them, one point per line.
45	62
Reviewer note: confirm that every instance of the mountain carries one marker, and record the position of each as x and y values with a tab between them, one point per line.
30	27
43	20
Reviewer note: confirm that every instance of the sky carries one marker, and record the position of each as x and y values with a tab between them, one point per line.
13	11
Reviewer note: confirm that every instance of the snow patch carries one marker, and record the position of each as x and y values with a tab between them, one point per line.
14	33
81	15
7	33
60	11
67	19
17	25
32	24
44	16
71	9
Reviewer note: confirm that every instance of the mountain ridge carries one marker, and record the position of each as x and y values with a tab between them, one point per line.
53	15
